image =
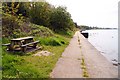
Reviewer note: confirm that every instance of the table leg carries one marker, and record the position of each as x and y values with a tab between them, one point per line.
24	49
34	45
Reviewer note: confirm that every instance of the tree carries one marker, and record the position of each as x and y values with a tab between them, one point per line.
60	19
24	9
10	7
16	8
40	13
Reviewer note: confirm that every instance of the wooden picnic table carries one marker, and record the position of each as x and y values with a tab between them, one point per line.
21	44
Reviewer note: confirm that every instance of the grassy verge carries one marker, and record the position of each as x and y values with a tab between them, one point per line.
29	66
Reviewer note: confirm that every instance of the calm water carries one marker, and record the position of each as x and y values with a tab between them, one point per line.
105	41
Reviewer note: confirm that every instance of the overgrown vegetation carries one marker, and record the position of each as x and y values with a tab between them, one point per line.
84	69
53	27
13	28
41	13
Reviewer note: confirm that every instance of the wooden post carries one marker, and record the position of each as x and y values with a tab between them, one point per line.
34	45
24	49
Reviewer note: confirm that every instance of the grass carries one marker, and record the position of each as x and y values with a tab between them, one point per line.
85	73
53	41
84	69
29	66
79	40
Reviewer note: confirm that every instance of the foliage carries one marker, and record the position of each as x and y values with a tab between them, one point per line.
67	33
16	8
9	24
53	41
39	31
14	28
23	9
10	7
60	19
40	13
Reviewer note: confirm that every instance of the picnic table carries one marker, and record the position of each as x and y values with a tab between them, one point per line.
21	44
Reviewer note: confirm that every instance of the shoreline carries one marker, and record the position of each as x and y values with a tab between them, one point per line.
95	61
103	50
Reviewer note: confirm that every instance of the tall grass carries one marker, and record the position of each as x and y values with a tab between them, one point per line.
53	41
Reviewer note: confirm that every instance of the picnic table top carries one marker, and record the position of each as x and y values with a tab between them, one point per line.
23	38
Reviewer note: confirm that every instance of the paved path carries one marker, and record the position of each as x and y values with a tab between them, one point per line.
68	66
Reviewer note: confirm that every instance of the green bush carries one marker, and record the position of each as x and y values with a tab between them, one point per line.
53	41
15	28
66	33
49	41
9	24
40	31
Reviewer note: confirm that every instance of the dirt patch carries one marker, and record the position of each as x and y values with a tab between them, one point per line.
43	53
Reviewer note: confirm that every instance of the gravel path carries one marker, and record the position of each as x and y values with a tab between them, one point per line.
69	65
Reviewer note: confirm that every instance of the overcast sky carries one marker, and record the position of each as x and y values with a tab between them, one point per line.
100	13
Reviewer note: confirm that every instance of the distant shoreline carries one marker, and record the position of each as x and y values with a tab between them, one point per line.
102	29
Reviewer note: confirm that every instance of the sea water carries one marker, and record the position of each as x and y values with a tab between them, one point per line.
105	41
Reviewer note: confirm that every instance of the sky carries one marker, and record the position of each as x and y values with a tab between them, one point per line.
100	13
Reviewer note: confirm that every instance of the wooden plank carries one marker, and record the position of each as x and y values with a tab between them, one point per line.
22	38
34	49
30	43
6	44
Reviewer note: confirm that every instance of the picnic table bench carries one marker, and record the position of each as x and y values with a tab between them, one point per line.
21	44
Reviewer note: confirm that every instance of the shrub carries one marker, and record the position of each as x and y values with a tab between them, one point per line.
53	41
9	24
40	31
